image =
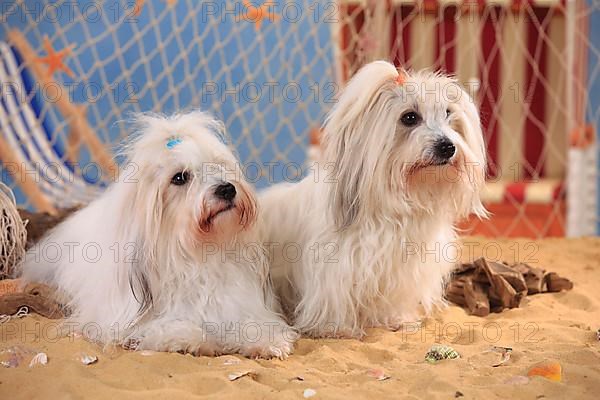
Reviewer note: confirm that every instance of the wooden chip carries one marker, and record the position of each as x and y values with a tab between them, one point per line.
476	299
534	277
455	292
555	283
500	289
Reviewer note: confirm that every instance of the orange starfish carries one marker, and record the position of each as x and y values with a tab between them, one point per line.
55	59
257	13
137	7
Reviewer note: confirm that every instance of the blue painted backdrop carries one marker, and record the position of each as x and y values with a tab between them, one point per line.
195	46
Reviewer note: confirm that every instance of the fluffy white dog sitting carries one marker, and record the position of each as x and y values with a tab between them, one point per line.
368	239
166	258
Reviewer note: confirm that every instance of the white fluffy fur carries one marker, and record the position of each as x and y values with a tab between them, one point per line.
172	274
375	224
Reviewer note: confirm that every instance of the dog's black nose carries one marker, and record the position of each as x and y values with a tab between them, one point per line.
226	191
444	149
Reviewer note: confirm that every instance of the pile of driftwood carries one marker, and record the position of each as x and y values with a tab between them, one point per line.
485	286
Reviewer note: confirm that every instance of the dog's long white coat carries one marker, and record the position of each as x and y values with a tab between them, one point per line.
377	240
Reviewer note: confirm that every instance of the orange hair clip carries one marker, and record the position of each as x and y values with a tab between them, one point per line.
401	78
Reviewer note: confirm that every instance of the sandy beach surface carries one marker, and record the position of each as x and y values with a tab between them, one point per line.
547	327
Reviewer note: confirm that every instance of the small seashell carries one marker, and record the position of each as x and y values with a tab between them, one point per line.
308	393
231	361
12	362
39	359
237	375
378	374
87	359
517	380
505	353
548	369
15	355
439	352
147	353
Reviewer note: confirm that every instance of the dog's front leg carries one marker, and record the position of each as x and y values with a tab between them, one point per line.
266	338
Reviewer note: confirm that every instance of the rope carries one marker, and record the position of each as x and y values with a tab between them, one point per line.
13	235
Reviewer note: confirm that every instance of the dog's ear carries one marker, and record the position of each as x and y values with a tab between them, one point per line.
141	204
356	134
248	204
344	149
348	181
467	123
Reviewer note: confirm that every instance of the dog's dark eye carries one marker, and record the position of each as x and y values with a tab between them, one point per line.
410	118
180	178
448	112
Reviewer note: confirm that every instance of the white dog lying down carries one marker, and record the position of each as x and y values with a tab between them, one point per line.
371	232
167	258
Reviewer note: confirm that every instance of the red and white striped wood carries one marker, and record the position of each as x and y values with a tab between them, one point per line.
515	49
544	191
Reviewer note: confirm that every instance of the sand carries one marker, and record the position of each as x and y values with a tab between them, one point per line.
560	327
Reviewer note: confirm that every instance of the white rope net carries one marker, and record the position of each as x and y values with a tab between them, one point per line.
271	70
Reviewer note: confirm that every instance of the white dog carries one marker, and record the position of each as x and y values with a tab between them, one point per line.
368	239
166	258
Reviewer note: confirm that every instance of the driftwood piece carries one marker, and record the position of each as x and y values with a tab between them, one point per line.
455	292
534	277
37	297
476	298
507	286
556	283
540	281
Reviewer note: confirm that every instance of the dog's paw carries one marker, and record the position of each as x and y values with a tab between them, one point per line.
401	324
279	347
267	352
